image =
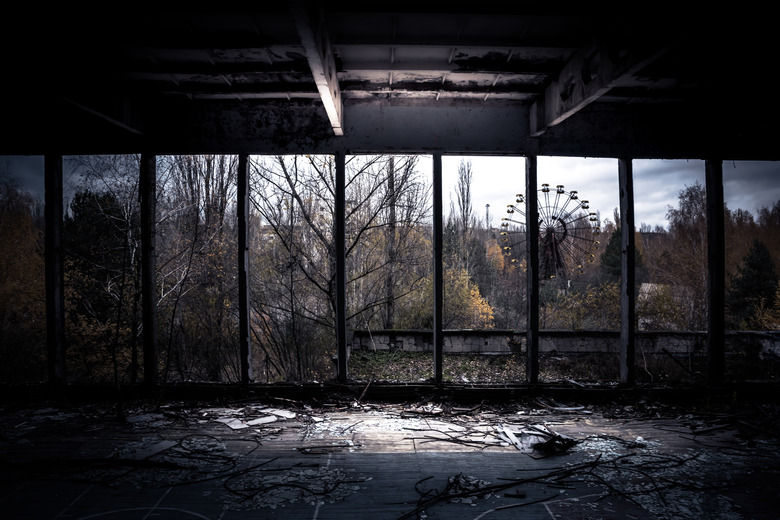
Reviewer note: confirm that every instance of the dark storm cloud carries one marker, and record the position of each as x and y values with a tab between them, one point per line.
751	185
26	170
748	185
657	187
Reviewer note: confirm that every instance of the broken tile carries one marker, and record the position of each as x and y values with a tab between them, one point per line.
266	419
233	423
285	414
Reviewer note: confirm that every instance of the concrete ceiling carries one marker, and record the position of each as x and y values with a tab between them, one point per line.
484	78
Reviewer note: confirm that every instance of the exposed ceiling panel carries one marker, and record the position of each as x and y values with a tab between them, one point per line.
304	75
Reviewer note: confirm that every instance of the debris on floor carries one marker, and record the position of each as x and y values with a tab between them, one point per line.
641	460
537	440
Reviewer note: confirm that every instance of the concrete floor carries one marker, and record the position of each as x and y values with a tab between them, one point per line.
282	458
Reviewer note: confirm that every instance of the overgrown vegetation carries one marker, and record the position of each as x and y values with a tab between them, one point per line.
293	287
402	366
395	366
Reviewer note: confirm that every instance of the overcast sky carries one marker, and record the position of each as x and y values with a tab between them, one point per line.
657	183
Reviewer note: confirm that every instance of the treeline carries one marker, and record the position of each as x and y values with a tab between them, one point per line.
671	274
292	270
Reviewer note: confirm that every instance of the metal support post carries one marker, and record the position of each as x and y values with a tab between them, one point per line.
245	350
148	195
340	262
532	279
628	274
55	279
438	271
716	272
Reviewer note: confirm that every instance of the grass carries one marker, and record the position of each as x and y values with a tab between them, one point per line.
397	366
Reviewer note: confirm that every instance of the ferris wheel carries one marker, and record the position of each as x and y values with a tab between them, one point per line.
568	232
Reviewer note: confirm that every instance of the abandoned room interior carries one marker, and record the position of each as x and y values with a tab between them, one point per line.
249	269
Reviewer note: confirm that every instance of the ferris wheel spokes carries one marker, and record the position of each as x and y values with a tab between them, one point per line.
567	231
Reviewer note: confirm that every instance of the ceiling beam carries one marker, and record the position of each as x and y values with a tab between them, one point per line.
588	75
316	41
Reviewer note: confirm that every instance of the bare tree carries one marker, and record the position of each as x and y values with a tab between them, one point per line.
22	310
294	199
103	237
197	266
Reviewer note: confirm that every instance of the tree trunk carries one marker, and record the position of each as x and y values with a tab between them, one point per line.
391	250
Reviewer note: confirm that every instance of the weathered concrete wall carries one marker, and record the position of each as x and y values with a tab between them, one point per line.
562	342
